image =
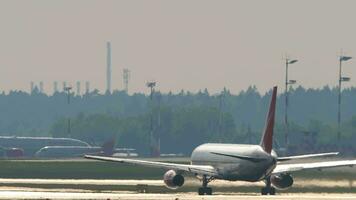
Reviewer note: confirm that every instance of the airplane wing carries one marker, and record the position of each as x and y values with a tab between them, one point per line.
195	169
287	168
307	156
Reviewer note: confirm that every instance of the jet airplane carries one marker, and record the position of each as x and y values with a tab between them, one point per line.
237	162
107	149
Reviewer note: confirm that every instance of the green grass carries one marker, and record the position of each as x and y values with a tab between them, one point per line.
88	169
75	170
341	174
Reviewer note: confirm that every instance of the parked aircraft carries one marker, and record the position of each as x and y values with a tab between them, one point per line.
107	149
30	145
237	162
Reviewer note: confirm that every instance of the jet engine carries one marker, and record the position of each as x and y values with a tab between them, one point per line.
282	181
173	180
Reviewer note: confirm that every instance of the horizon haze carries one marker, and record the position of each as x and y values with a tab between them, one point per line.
188	45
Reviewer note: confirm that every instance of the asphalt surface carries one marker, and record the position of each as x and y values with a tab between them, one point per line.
32	189
131	196
188	182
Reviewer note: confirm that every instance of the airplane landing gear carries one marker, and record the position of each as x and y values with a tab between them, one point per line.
205	190
268	189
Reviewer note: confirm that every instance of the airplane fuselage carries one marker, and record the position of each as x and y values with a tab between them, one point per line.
235	161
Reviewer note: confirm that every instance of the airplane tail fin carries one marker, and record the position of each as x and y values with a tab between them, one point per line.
108	147
267	137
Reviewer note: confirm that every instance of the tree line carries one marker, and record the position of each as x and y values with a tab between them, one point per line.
186	119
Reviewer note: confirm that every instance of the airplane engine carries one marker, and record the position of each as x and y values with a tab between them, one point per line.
282	181
173	180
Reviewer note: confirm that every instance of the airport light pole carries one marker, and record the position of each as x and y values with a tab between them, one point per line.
159	96
67	89
152	86
221	104
341	79
153	149
287	83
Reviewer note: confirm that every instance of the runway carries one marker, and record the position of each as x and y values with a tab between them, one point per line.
127	190
189	182
132	196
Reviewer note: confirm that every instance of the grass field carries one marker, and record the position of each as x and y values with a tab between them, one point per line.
88	169
74	169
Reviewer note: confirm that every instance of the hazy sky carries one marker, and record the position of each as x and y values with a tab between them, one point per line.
181	44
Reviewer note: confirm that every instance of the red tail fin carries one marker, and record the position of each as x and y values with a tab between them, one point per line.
108	147
267	137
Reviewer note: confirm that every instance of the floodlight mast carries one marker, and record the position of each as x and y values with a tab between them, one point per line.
67	89
288	82
221	102
151	85
153	148
341	79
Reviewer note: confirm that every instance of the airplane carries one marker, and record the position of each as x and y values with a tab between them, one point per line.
237	162
30	145
107	149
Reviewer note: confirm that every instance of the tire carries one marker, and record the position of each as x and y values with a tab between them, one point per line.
264	191
272	191
201	191
208	191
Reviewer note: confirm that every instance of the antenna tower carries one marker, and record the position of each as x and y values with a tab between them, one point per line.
108	69
126	78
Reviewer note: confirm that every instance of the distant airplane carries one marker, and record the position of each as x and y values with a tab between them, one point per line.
30	145
237	162
108	149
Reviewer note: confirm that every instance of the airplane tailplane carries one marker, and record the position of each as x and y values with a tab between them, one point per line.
108	147
267	137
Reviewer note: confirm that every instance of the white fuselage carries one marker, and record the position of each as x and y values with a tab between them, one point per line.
235	161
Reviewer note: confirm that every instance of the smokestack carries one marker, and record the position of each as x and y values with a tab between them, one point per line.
108	70
126	77
87	87
41	86
55	87
32	86
64	86
78	88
